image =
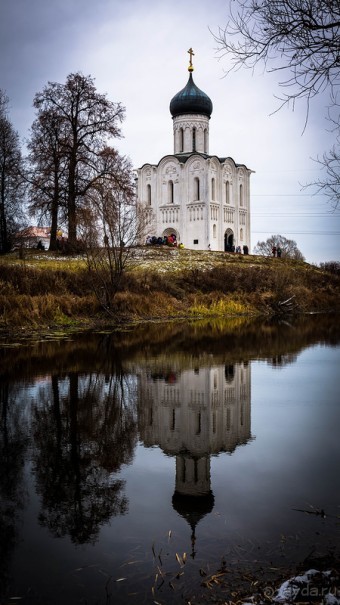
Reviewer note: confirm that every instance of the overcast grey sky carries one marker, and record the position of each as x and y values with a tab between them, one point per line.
137	52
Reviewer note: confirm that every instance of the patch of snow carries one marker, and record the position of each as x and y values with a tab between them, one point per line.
302	586
331	599
287	592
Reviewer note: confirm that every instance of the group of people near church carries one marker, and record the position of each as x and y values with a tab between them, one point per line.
171	240
165	240
276	251
237	250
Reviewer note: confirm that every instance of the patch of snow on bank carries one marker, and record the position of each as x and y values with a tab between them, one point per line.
313	585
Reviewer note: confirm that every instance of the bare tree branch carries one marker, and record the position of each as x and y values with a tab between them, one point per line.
299	38
113	223
11	181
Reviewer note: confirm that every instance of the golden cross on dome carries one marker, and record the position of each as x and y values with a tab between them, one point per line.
191	53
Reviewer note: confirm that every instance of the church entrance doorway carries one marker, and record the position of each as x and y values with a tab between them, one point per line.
170	233
229	245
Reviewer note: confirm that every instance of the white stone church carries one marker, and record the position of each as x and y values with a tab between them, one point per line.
202	199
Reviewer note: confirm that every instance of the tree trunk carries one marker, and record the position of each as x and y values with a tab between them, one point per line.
3	225
54	215
71	204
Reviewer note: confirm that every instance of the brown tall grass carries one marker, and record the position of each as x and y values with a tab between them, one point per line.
22	309
43	294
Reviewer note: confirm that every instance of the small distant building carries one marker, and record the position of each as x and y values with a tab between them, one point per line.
31	236
200	199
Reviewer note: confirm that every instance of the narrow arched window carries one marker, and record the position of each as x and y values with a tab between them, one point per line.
228	419
198	423
227	193
181	139
214	230
213	189
196	188
241	235
170	192
194	139
173	420
241	195
148	194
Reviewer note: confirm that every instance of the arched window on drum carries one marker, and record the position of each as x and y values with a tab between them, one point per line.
181	139
194	139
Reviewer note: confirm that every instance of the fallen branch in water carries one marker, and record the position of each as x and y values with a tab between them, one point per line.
318	512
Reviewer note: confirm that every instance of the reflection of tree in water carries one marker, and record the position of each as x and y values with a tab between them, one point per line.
84	430
13	445
230	339
282	360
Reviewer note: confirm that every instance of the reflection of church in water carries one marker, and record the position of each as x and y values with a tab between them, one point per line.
192	415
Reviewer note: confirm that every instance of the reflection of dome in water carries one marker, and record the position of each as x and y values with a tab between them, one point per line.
193	509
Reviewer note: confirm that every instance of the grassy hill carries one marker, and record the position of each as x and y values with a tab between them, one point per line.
44	289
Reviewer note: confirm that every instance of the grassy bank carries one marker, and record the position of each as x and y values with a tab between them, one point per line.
46	289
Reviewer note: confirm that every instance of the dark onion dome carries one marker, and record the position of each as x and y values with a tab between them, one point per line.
191	100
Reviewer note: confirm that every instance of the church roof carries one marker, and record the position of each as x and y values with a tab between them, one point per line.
182	158
191	100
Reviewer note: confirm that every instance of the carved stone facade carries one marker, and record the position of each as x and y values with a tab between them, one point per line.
203	199
203	411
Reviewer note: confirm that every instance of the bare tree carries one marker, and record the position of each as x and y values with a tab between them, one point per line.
87	120
11	182
47	170
288	247
300	36
332	266
301	39
113	223
329	180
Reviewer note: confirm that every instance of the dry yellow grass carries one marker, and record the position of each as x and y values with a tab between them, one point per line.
45	289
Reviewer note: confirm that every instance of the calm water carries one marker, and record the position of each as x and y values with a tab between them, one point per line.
133	463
